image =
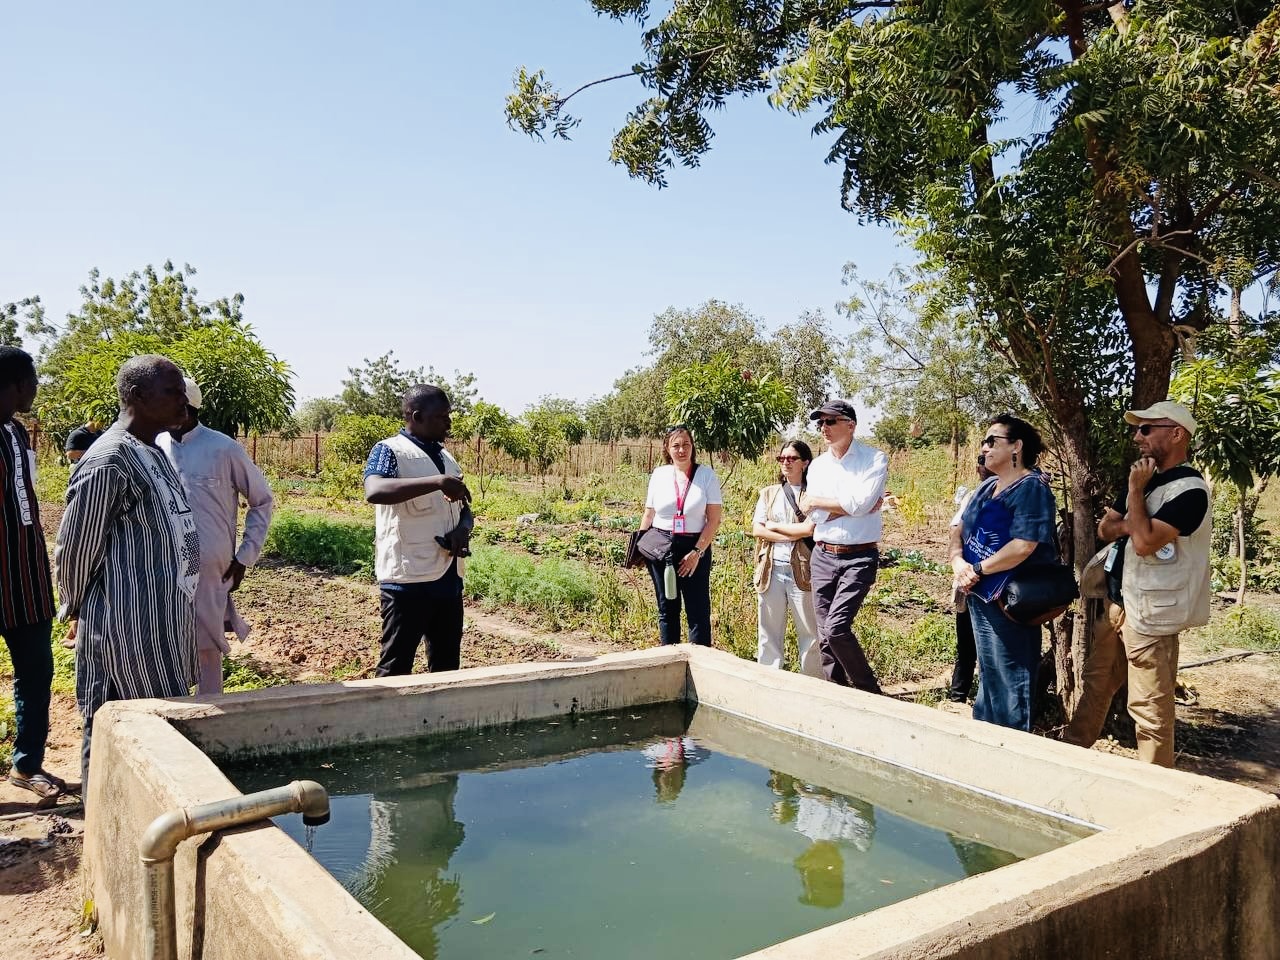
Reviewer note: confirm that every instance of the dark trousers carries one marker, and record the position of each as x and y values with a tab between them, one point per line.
840	584
31	651
414	612
694	592
966	659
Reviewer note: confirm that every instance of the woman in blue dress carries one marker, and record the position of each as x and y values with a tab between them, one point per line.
1008	523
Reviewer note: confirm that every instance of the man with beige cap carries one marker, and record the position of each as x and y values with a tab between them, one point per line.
1157	583
216	472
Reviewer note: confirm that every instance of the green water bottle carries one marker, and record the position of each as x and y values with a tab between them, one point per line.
669	581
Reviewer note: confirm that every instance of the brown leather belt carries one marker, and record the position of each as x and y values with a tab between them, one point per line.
844	549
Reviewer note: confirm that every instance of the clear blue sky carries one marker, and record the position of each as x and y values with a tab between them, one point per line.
348	169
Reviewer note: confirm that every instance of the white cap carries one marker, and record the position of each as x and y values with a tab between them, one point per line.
194	397
1163	410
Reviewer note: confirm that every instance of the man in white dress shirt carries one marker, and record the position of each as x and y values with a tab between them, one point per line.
216	472
844	497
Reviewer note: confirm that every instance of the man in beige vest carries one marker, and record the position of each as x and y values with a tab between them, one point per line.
1162	528
423	525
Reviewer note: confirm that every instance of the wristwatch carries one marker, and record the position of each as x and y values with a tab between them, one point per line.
976	568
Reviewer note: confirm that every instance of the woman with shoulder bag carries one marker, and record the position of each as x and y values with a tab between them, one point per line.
1007	526
783	545
682	513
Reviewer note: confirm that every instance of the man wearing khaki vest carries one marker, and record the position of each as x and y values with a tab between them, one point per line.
1162	528
423	525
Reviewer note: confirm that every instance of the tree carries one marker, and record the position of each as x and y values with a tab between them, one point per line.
919	363
1085	245
1233	389
28	307
551	427
378	387
318	414
799	354
245	386
730	411
487	426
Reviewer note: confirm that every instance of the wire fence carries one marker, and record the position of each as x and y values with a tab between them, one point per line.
304	455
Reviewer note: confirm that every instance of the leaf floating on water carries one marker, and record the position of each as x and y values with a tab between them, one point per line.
887	883
326	766
538	950
485	919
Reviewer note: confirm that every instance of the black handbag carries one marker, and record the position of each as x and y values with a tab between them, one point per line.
654	544
1037	594
633	556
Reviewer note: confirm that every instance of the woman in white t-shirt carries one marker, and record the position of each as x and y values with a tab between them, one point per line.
684	499
782	564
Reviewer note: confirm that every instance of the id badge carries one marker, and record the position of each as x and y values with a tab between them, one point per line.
1112	555
677	523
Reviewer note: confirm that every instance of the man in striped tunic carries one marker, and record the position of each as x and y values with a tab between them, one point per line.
26	593
127	554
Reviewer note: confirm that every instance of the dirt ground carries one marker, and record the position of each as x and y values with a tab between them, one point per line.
309	626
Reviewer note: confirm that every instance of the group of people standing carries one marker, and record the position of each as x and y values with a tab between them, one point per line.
817	533
146	557
817	545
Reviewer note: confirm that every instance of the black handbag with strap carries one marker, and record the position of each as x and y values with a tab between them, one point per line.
1038	594
634	558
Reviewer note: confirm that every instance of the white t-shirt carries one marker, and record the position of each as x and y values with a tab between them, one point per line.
703	490
780	512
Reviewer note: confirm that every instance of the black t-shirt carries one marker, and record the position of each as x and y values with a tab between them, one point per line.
1185	512
81	438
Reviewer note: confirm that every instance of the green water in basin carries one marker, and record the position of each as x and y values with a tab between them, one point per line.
638	833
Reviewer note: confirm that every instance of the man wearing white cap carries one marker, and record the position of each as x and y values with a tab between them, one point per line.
1162	528
216	472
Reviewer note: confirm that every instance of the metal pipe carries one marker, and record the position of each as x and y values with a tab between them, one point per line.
160	842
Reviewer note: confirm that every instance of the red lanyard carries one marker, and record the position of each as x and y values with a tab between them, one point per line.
680	496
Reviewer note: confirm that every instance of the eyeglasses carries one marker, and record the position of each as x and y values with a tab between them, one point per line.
831	421
990	440
785	459
1146	428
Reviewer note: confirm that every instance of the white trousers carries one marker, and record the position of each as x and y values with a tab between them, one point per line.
772	606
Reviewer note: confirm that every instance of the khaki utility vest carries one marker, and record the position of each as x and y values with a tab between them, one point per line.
1168	591
407	551
800	554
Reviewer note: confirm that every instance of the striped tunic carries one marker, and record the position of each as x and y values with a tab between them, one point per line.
128	560
26	591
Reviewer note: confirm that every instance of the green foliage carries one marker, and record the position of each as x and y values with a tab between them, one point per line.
728	409
245	386
551	427
318	414
342	546
244	673
799	354
378	387
1250	628
559	590
924	367
354	435
28	307
1233	391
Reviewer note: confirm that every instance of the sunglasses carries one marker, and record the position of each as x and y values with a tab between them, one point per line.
990	440
831	421
676	428
786	459
1146	428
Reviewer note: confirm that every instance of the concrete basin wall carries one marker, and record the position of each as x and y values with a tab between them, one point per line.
1185	867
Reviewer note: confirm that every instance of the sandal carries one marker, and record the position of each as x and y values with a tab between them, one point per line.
44	785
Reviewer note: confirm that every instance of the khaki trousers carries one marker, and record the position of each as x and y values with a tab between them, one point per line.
1149	665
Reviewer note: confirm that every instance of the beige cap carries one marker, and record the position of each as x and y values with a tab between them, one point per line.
194	397
1164	410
